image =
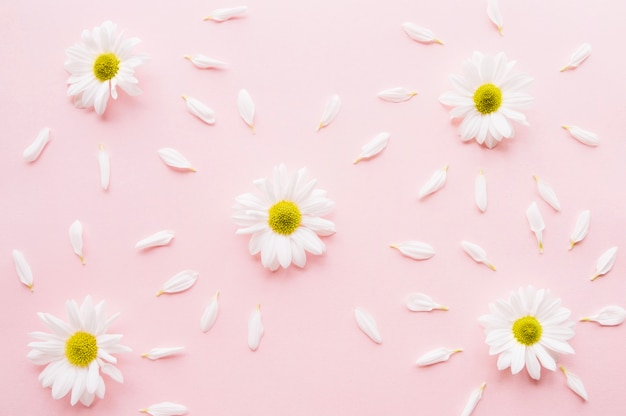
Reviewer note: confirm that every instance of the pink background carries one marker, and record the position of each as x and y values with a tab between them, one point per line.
291	56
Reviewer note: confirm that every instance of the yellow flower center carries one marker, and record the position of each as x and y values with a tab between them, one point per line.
527	330
106	66
81	349
284	217
487	98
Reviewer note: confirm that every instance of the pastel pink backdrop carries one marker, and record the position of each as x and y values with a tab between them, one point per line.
291	56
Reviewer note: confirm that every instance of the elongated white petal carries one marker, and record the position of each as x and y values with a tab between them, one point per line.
179	282
580	229
416	250
435	183
438	355
547	193
367	324
32	152
204	62
473	400
480	190
375	146
578	57
156	353
396	95
605	263
536	223
583	136
24	273
199	109
611	315
255	328
575	383
210	313
246	108
420	34
330	111
477	253
161	238
221	15
494	14
105	167
173	158
76	239
420	302
165	409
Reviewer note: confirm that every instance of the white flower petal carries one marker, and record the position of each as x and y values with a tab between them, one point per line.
210	313
547	193
255	328
480	189
575	383
199	109
473	400
24	273
435	183
173	158
246	108
477	253
438	355
416	250
396	95
367	324
583	136
536	223
373	147
611	315
156	353
420	34
204	62
580	229
181	281
112	371
420	302
105	167
32	152
165	409
494	14
76	239
221	15
605	263
161	238
330	111
583	52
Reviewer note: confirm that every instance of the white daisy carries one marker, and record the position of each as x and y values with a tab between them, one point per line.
99	64
528	329
75	352
487	98
285	221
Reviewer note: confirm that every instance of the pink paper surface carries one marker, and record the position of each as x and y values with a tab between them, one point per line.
292	56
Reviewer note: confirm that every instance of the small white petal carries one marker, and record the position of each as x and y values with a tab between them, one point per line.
156	353
396	95
611	315
438	355
105	167
575	383
473	400
578	57
494	14
583	136
32	152
165	409
179	282
173	158
477	253
366	322
204	62
580	229
375	146
246	108
605	263
480	189
330	112
210	313
221	15
435	183
76	239
536	223
547	193
416	250
255	328
161	238
200	110
24	273
420	34
420	302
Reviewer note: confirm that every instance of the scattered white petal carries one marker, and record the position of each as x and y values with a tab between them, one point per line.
156	353
246	108
416	250
366	322
438	355
494	14
255	328
24	273
161	238
605	263
210	313
173	158
420	302
76	239
179	282
611	315
204	62
396	95
473	400
420	34
536	223
480	189
105	167
578	57
575	383
583	136
580	229
330	112
547	193
199	109
165	409
477	253
375	146
435	183
32	152
221	15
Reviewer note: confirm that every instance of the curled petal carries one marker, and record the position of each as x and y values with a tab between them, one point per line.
173	158
32	152
435	183
255	328
416	250
221	15
583	136
396	95
605	263
547	193
367	324
477	253
200	110
575	383
435	356
420	34
24	273
181	281
375	146
419	302
473	400
76	239
161	238
608	316
165	409
204	62
583	52
494	14
536	223
480	191
210	313
156	353
580	229
246	108
330	111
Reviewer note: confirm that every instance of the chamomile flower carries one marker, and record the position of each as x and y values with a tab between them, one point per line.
488	98
75	352
285	221
529	329
100	63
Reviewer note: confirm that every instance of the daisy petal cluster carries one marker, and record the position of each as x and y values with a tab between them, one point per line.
529	330
75	352
488	98
285	221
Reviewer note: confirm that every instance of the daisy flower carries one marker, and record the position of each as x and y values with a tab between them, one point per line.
99	64
285	220
529	329
75	352
487	98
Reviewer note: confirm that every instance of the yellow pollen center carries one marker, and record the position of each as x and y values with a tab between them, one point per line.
81	349
527	330
106	66
284	217
487	98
